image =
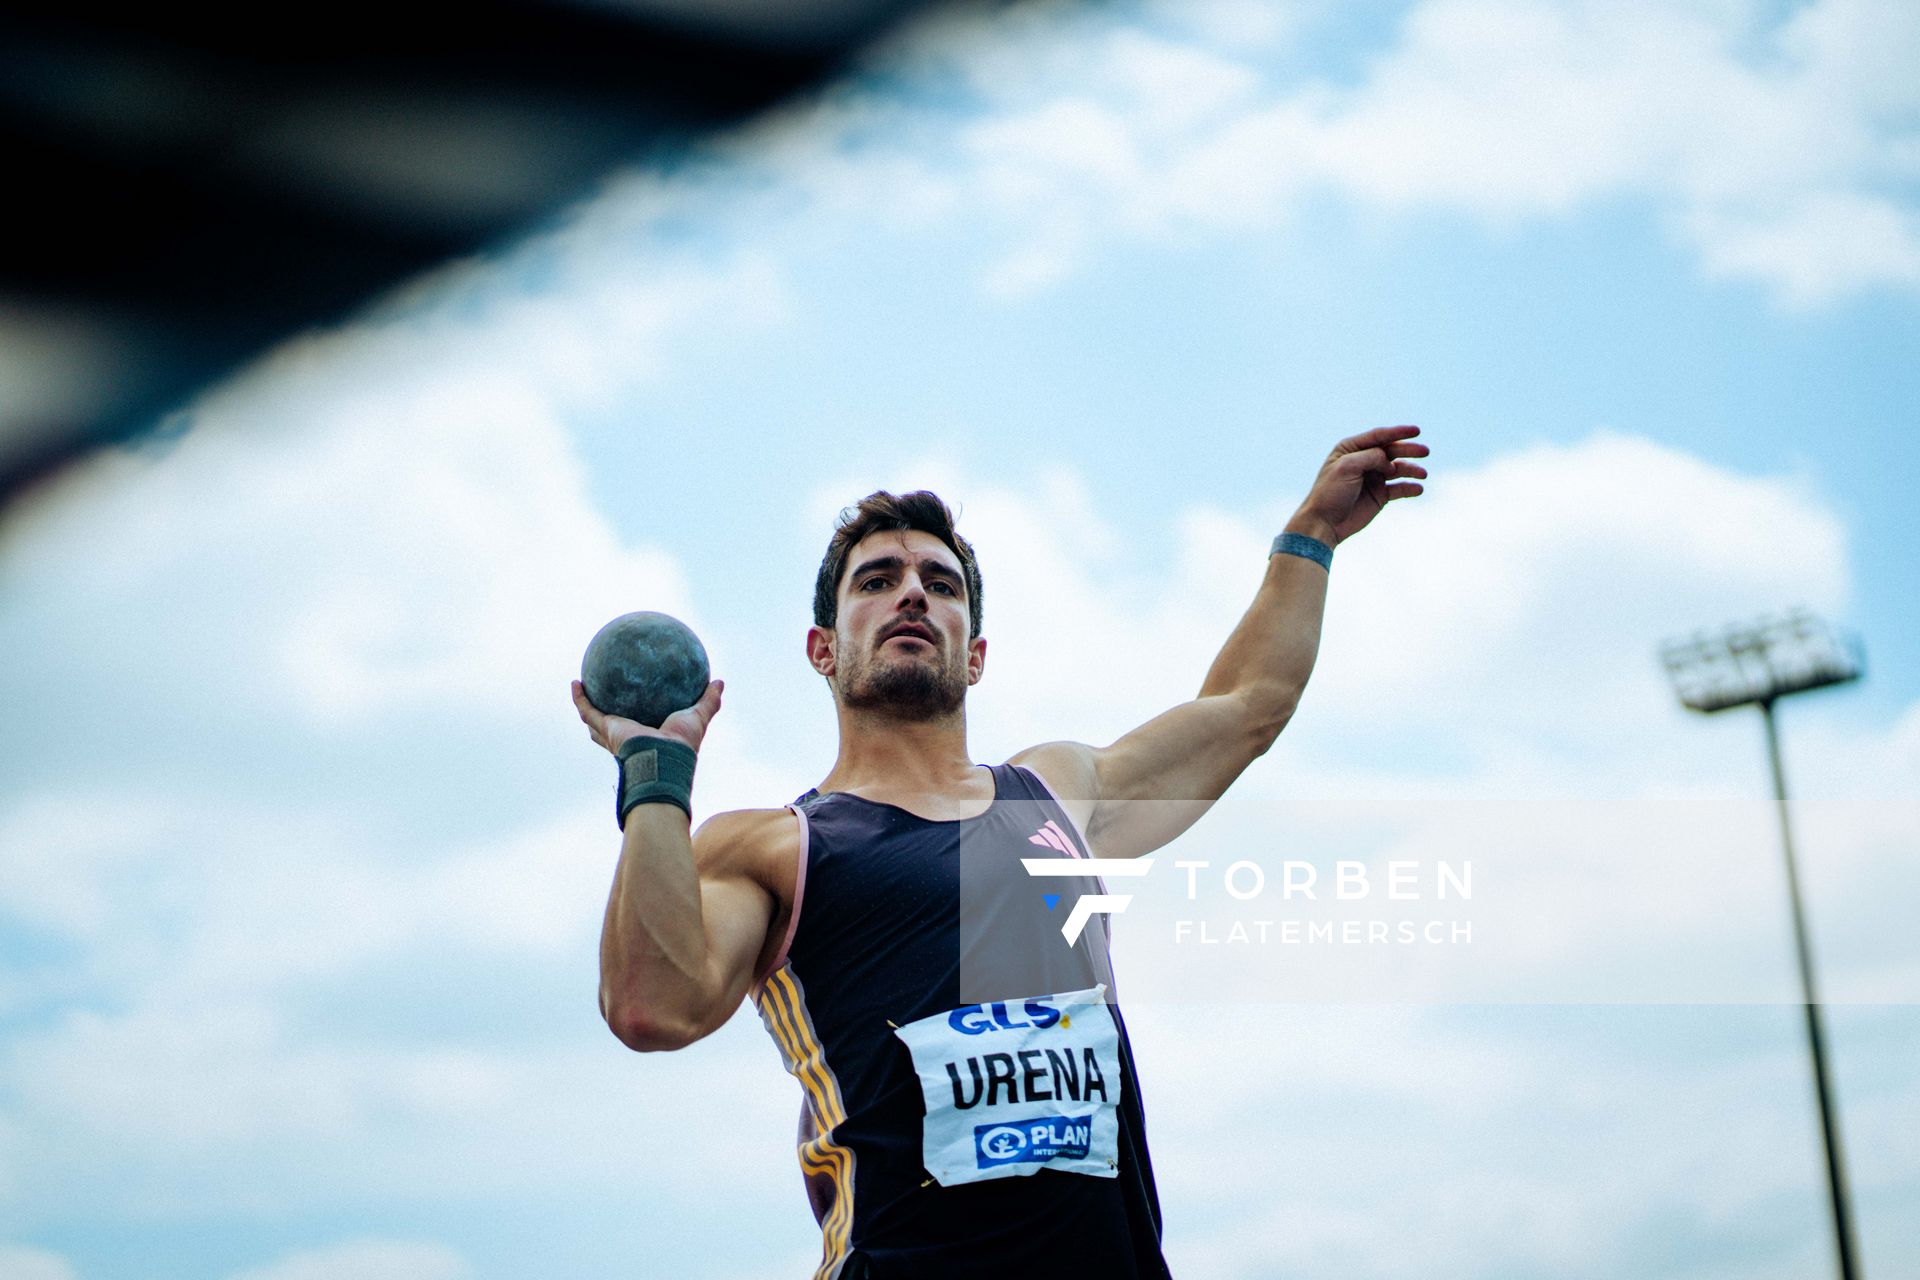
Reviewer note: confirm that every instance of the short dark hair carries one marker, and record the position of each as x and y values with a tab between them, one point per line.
881	512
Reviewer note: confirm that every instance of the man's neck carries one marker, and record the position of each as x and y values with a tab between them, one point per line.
911	757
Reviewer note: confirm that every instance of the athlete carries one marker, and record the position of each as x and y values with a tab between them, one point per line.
970	1105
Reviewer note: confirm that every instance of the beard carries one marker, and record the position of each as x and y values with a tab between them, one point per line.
905	688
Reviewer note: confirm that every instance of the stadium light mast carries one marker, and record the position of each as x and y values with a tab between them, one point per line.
1760	663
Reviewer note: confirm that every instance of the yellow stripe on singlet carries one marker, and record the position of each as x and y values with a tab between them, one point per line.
808	1060
784	1007
821	1155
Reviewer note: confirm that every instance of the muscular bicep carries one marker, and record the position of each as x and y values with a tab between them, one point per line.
740	857
739	917
1155	781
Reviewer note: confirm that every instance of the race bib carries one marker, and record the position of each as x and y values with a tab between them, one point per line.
1017	1086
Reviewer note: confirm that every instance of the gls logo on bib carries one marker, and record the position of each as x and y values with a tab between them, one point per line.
1019	1085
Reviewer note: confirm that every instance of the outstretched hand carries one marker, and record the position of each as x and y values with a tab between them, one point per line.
688	725
1353	485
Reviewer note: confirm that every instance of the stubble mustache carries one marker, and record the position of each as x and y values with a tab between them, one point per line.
908	690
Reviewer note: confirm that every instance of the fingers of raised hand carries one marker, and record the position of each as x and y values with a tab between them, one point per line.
1376	462
1395	437
1360	461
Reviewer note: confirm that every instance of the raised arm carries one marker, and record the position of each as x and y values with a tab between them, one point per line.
691	915
1156	781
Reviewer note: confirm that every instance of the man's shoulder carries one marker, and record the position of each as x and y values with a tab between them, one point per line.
1069	770
1066	767
763	844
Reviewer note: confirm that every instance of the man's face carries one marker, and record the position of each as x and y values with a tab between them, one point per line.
900	643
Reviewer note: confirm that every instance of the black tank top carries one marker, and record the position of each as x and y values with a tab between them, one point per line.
880	939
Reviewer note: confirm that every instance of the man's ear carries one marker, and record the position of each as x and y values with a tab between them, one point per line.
820	650
976	659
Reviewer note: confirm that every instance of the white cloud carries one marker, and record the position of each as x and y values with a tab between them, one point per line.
1545	578
1776	153
18	1262
297	686
392	550
1776	150
1185	87
1817	248
1859	48
1249	24
241	1107
366	1260
1456	1127
62	860
367	572
1543	582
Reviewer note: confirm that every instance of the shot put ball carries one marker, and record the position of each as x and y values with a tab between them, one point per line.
644	666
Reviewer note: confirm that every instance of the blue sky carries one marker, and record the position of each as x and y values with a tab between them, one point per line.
302	852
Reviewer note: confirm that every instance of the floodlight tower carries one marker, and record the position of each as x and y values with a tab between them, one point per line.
1760	663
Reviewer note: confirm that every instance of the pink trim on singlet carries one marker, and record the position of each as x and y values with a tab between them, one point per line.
799	891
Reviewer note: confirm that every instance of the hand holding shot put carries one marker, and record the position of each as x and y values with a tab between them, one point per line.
646	674
841	912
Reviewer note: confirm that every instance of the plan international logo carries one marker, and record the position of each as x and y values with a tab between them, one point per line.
1033	1141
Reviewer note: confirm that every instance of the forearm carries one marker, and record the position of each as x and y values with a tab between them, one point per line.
654	964
1268	658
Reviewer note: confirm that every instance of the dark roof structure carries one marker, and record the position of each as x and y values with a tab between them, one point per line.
192	184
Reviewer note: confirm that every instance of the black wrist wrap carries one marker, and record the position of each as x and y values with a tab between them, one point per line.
654	771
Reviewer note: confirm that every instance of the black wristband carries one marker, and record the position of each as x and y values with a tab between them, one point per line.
653	771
